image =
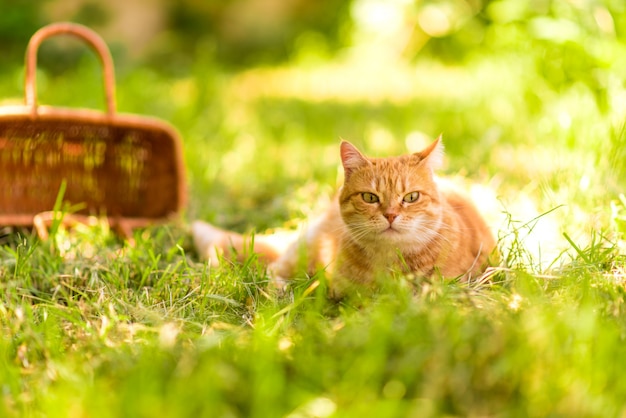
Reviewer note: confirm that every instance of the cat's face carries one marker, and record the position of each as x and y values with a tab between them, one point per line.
391	201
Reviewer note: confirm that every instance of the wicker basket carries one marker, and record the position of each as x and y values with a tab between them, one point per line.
128	168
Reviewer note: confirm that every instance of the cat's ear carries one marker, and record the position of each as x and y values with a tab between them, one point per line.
432	155
351	158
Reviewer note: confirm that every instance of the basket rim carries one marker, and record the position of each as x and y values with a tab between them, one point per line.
133	222
71	114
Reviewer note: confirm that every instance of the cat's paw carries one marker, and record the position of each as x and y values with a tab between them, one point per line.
207	240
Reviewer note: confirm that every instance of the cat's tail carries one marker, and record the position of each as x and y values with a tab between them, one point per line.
207	240
215	244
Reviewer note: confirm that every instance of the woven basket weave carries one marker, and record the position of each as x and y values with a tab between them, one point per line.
128	168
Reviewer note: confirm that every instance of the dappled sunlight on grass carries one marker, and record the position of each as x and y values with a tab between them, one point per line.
353	81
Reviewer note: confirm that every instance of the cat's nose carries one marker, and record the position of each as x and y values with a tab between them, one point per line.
391	217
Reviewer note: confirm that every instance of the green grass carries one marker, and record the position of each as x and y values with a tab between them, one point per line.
94	327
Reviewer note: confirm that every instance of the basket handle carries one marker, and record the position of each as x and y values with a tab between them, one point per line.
88	35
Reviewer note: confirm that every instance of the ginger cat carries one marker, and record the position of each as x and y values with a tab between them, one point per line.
391	214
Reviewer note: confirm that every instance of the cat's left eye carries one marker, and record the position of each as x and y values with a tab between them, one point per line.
411	197
369	197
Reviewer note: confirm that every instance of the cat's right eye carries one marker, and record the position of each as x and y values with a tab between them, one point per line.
369	197
411	197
